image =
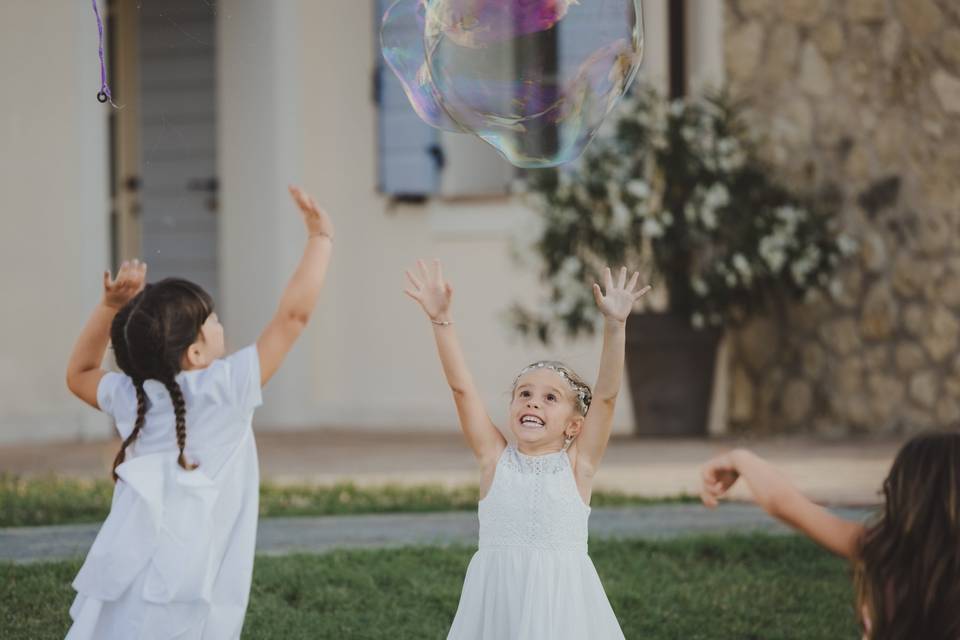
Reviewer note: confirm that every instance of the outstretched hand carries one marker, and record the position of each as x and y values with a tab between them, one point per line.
618	300
130	281
717	476
430	290
317	220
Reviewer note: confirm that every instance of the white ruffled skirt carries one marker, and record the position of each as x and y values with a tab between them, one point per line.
174	558
521	593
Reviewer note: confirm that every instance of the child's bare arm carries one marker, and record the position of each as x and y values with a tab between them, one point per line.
434	295
84	367
303	290
778	496
615	306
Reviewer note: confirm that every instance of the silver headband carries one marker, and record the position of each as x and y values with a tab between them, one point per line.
584	396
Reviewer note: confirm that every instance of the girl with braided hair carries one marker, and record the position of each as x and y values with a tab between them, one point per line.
531	577
174	558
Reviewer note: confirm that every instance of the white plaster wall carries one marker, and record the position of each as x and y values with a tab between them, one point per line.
53	213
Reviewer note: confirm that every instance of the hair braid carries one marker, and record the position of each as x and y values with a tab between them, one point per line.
180	411
121	353
138	425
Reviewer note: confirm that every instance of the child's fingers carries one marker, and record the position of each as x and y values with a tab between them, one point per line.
607	279
107	280
417	285
643	291
298	198
413	294
422	268
597	294
437	270
633	280
449	290
622	278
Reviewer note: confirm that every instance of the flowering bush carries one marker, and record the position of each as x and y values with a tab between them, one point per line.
680	190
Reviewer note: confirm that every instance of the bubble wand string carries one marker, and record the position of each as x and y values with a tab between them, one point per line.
103	95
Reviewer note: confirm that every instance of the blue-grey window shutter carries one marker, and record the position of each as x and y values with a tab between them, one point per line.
409	153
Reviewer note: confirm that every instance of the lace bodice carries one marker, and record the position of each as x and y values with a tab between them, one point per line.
534	503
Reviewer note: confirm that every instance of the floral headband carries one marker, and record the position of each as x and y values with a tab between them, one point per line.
584	395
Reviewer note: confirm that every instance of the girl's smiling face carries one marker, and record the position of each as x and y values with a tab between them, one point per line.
543	411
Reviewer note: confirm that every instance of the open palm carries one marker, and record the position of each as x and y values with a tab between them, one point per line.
430	289
616	301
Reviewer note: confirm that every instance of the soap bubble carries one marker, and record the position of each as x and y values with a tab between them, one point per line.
401	40
533	78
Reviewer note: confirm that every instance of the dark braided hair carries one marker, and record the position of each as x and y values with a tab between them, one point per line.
150	335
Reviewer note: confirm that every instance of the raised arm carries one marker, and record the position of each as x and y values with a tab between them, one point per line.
303	290
84	367
435	295
774	492
615	305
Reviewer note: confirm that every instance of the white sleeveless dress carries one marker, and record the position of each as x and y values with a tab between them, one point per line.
531	578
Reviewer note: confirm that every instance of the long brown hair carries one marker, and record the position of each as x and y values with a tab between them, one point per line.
908	570
150	334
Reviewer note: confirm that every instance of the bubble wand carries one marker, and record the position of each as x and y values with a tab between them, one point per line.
103	95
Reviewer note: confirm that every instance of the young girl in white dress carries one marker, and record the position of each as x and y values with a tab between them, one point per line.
531	578
174	558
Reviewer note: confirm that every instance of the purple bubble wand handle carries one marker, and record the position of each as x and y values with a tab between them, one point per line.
103	95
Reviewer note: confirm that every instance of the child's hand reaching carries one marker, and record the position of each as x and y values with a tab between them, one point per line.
431	291
717	476
316	219
129	282
619	299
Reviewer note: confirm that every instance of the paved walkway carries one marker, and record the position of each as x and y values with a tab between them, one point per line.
278	536
846	472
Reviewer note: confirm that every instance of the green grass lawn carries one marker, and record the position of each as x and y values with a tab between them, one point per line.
735	587
51	500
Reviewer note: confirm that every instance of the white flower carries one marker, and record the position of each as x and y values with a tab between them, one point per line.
652	228
847	245
698	321
638	189
676	108
799	272
699	286
689	133
727	146
690	212
709	218
717	196
621	215
570	267
742	266
666	218
836	289
731	279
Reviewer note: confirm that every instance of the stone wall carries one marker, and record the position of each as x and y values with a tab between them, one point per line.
860	97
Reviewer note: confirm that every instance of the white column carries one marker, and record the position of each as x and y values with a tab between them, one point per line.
704	45
54	223
259	152
655	68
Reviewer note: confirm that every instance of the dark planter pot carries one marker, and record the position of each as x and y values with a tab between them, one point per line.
670	367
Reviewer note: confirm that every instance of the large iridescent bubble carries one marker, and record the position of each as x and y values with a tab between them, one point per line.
534	78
